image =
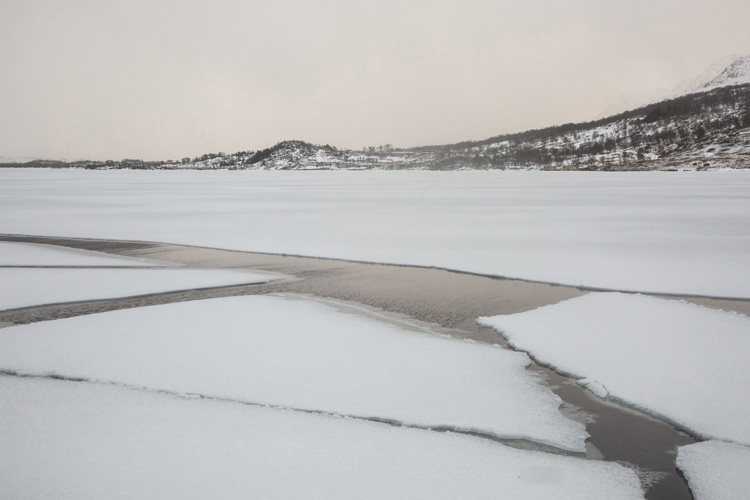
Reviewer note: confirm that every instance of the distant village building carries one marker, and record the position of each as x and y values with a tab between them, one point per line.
383	148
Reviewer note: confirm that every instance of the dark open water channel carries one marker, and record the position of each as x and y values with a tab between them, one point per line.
450	301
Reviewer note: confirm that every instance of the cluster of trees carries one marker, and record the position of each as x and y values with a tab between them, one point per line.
286	146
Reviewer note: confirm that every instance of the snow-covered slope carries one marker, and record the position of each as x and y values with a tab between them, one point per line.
737	73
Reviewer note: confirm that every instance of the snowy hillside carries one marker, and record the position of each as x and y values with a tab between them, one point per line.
299	155
697	131
707	127
737	73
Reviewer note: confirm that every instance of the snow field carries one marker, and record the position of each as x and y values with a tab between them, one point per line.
681	361
24	287
302	355
654	231
72	440
716	470
24	254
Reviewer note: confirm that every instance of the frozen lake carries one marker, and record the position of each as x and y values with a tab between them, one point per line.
683	234
671	232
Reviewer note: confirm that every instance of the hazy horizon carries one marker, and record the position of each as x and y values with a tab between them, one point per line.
164	80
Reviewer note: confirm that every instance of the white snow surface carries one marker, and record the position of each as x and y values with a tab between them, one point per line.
303	355
686	232
683	362
24	254
25	287
68	440
716	470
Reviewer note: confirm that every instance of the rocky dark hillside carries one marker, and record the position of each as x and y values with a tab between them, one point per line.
699	130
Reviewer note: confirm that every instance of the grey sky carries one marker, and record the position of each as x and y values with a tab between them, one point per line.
157	80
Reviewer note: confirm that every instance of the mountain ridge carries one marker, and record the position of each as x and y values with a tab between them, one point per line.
700	129
737	73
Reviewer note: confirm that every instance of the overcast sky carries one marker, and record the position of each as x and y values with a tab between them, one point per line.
161	80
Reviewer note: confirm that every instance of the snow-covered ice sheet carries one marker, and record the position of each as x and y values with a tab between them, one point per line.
24	287
69	440
716	470
685	232
24	254
304	355
684	362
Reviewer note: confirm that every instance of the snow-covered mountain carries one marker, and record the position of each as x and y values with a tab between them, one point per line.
716	75
706	127
737	73
697	83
